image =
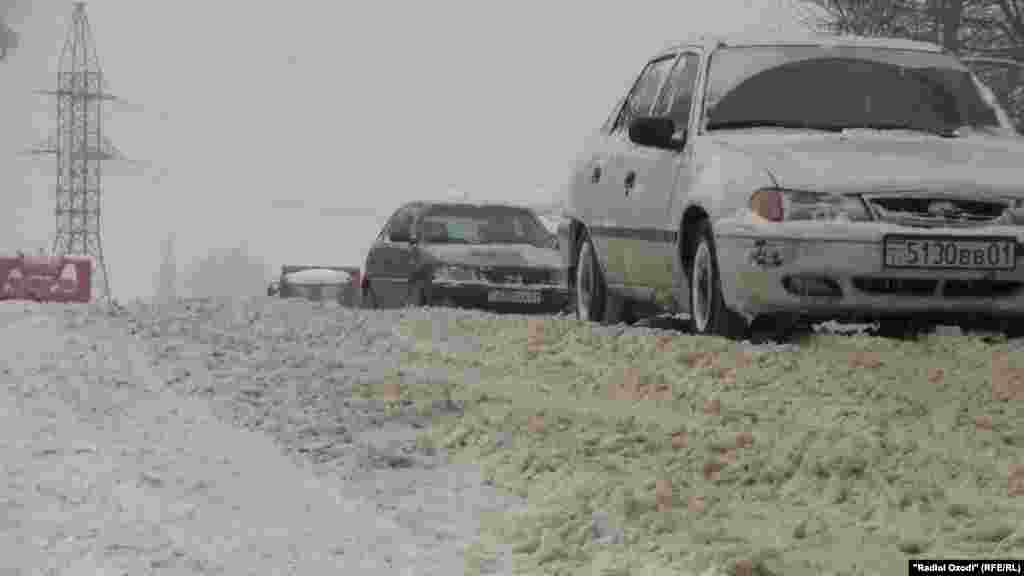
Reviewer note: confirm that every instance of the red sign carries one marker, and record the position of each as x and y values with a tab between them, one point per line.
44	279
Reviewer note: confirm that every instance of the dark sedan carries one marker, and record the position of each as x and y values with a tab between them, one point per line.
457	254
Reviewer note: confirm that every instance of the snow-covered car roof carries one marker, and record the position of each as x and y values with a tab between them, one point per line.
796	39
539	209
320	276
470	203
548	214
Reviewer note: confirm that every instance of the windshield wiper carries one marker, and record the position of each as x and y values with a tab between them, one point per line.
740	124
945	132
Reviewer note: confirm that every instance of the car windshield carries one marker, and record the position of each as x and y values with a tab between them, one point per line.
467	224
836	88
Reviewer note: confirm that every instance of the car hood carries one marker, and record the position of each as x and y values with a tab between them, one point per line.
511	255
877	161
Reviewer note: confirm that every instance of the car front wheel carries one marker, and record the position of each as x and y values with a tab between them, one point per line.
708	313
594	301
589	289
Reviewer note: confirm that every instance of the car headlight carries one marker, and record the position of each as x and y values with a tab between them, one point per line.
778	205
456	274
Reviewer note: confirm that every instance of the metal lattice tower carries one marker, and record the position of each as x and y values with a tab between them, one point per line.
80	148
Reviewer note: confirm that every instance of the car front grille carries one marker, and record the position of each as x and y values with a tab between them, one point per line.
932	211
515	275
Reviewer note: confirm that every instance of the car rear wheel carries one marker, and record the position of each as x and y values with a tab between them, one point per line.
708	313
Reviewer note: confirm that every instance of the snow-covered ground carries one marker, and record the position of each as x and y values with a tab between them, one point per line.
220	438
233	436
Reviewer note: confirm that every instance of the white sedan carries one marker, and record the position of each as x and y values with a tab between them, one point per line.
789	178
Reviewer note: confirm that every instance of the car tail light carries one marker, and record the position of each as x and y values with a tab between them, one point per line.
767	203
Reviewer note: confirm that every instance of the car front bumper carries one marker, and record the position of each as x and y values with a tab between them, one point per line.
759	262
499	297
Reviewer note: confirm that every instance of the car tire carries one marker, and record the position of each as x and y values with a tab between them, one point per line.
588	288
777	328
604	305
616	308
708	313
1012	328
419	296
898	328
368	300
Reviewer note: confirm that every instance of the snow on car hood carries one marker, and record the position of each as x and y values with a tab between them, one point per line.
874	160
318	276
517	255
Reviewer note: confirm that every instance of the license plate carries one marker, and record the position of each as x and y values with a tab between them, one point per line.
513	297
950	253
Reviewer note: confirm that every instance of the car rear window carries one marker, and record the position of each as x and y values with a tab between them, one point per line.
482	225
463	229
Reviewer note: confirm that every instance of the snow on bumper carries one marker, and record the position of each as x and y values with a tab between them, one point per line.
837	269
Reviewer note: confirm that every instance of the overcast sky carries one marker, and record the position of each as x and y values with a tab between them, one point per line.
300	126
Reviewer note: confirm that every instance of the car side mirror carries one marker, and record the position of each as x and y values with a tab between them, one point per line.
656	132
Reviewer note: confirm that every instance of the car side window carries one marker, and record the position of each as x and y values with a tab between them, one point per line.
645	91
677	98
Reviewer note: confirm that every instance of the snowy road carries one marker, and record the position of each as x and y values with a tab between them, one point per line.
108	470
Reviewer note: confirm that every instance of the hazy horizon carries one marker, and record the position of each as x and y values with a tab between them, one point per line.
287	129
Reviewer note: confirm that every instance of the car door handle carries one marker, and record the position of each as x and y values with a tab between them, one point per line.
630	181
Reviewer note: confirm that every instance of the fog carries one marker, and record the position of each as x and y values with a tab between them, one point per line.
297	128
9	9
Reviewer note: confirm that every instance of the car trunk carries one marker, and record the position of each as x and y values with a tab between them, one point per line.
346	294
